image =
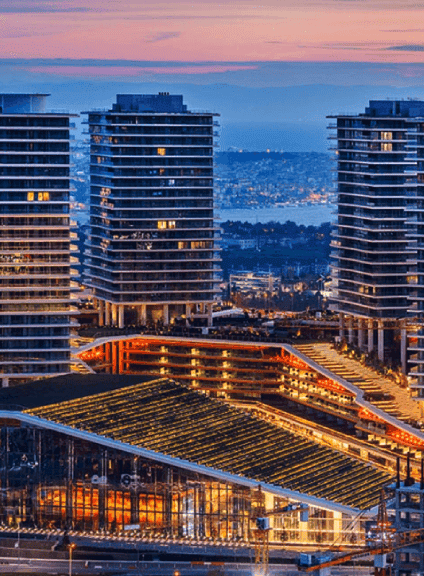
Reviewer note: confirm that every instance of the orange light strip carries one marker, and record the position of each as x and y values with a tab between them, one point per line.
366	414
404	437
333	386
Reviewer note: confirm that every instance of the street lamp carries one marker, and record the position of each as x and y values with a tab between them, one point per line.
71	548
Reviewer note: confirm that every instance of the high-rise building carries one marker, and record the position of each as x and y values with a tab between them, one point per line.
35	245
152	248
416	374
375	248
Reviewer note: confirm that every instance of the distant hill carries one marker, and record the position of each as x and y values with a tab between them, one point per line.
291	118
229	157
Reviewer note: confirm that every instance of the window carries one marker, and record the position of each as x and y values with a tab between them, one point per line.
387	135
30	196
161	151
386	147
43	196
163	224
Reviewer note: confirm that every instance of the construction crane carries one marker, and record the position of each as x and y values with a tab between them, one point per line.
382	542
400	540
260	517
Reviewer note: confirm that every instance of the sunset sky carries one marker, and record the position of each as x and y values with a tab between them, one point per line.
137	40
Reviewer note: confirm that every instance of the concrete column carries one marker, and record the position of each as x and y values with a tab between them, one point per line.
381	341
120	351
115	358
188	313
121	316
360	333
165	314
370	336
403	346
341	326
142	314
350	331
107	313
209	313
108	356
114	312
101	312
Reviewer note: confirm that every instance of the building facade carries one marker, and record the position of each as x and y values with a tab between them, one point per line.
156	458
152	250
374	242
416	346
35	247
251	372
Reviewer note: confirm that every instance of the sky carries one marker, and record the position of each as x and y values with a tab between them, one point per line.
273	69
201	41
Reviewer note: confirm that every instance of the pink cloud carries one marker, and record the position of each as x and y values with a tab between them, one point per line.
211	30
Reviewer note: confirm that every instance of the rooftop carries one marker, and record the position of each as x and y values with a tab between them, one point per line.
162	102
173	420
22	103
61	389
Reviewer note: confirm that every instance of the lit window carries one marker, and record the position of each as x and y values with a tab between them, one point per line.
161	151
162	224
171	224
387	135
387	147
162	171
30	196
182	245
46	196
40	196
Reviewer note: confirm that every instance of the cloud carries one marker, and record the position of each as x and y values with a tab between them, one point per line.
404	30
351	45
408	48
35	7
163	36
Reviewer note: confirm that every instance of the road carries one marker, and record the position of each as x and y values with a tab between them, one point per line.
35	566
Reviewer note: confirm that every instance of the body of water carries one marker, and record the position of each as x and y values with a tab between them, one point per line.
310	215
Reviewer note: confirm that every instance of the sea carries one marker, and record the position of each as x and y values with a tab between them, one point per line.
308	215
